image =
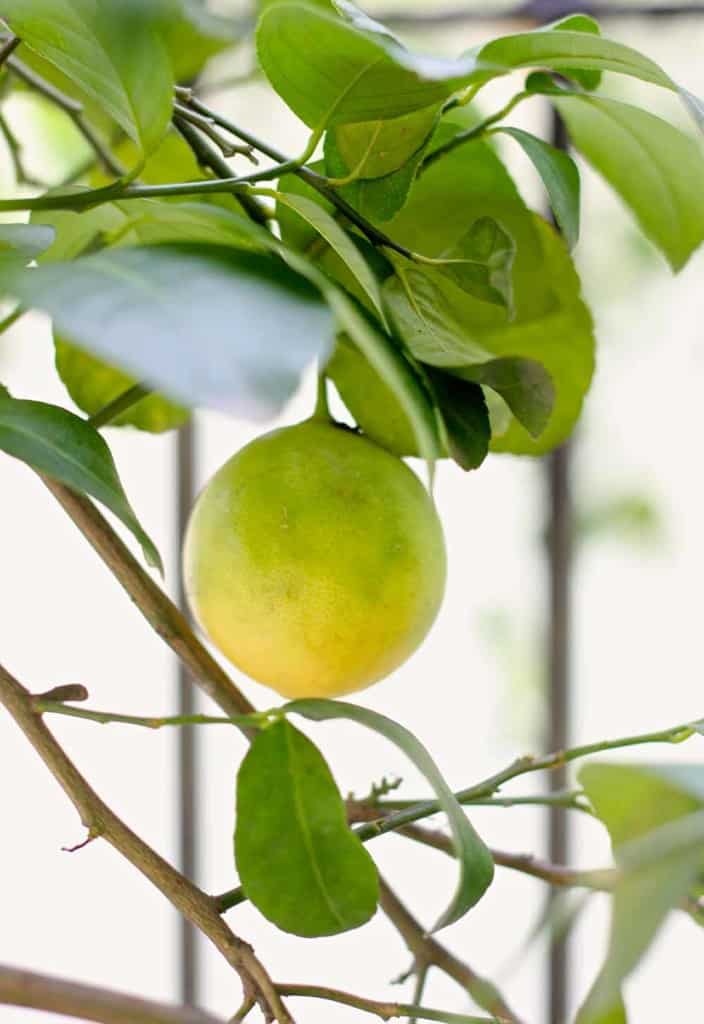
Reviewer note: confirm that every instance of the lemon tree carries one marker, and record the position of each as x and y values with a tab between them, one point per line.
190	262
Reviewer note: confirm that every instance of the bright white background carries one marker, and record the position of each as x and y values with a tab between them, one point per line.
473	693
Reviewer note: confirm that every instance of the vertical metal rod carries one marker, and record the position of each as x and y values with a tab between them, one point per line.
560	561
187	753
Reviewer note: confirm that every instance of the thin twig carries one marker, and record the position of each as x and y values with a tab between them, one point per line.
55	707
97	817
72	108
210	160
22	175
11	318
124	401
386	1011
206	125
427	951
569	799
85	1002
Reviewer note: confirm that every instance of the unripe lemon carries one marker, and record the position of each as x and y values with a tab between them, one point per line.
315	560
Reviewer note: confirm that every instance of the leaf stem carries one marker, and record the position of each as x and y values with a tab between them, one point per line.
119	405
322	408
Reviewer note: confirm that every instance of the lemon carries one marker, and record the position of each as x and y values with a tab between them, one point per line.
315	560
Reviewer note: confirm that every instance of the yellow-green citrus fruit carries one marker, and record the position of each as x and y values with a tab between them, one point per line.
315	560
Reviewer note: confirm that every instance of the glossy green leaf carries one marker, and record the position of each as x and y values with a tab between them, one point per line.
475	861
75	233
331	72
336	237
655	168
92	384
655	816
298	861
589	80
69	449
567	50
560	177
114	52
465	417
203	323
153	221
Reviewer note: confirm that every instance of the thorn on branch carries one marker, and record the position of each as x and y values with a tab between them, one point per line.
72	693
93	834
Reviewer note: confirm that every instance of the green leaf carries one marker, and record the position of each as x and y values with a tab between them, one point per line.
114	52
465	417
73	233
377	199
336	237
589	80
395	371
298	861
375	149
655	818
330	72
560	177
67	448
525	386
476	864
656	169
565	50
486	253
657	871
154	221
202	323
373	404
449	328
92	384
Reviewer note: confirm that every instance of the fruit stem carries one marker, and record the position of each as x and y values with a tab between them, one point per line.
322	409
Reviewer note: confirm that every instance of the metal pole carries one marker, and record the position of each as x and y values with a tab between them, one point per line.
560	532
187	750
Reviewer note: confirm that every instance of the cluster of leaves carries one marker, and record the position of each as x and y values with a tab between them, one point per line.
405	261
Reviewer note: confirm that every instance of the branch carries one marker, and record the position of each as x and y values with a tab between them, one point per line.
22	176
56	707
161	613
99	820
39	992
523	766
387	1011
72	108
428	952
554	874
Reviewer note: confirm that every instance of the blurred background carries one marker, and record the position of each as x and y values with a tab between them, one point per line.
590	638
